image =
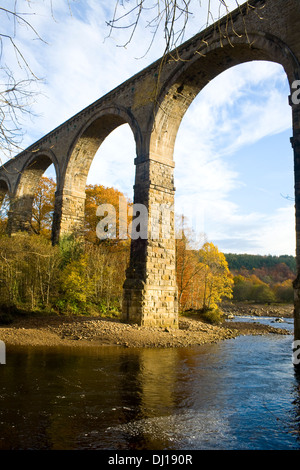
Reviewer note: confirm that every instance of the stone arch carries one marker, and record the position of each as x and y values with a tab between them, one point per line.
5	190
90	138
147	303
33	169
70	199
23	196
191	76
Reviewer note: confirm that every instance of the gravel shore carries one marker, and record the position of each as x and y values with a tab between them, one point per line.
96	331
258	310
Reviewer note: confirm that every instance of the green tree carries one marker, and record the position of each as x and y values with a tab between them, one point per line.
242	288
284	291
75	286
29	269
253	289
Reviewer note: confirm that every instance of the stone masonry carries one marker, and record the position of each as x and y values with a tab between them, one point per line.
153	103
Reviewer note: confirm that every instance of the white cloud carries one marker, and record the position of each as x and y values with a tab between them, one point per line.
78	64
278	232
113	165
239	107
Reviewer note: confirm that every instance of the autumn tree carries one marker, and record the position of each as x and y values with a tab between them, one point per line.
109	199
83	276
284	291
242	288
217	281
43	206
75	290
262	278
251	288
188	272
4	208
203	277
106	271
29	272
96	196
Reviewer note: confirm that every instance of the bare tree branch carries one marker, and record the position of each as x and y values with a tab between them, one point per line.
16	93
15	99
173	17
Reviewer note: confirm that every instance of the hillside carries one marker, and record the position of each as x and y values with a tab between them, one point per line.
262	278
243	261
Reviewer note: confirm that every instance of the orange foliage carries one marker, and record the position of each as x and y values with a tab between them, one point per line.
95	196
188	274
43	205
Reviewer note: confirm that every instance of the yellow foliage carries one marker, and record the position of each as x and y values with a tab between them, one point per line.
217	281
74	281
203	276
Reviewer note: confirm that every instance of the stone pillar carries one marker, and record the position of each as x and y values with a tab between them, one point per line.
3	192
295	141
150	288
68	216
20	214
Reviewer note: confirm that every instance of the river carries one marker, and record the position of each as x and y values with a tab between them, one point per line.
240	393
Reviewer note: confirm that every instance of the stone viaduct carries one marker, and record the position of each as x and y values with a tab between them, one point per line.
153	103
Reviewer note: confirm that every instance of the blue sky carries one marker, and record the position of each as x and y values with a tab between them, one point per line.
234	161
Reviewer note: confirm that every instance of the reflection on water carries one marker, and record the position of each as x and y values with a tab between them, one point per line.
237	394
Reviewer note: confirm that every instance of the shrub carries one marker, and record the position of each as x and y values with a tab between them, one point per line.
212	315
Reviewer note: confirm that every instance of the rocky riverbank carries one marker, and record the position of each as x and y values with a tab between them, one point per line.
258	310
94	331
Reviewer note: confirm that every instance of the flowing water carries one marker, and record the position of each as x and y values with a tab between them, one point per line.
236	394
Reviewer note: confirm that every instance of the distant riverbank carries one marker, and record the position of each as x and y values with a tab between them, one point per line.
73	331
258	310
